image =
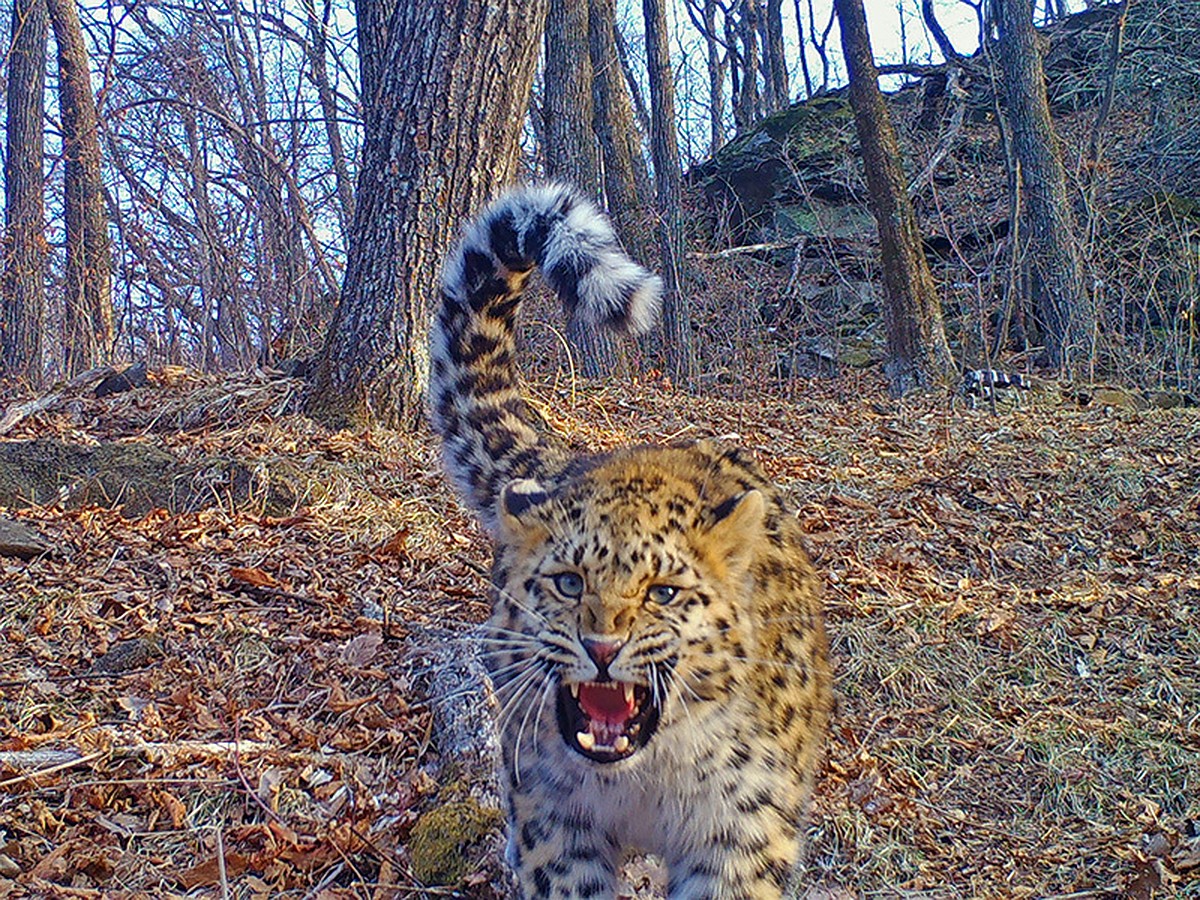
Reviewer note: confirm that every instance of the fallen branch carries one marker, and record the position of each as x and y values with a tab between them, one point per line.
44	762
747	248
958	97
14	415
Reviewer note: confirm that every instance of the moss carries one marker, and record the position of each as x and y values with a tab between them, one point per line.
816	129
136	475
442	838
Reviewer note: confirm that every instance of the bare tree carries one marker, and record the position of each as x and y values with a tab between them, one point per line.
819	40
680	354
631	80
747	101
626	178
444	87
571	150
24	294
1051	256
703	14
1094	173
801	44
917	353
87	285
774	59
317	49
216	149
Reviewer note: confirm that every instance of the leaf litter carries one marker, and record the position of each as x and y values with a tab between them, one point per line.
225	702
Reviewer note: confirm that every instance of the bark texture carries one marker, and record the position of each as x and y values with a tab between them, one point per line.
444	89
664	149
775	72
747	103
1051	256
24	209
917	352
626	178
571	149
87	280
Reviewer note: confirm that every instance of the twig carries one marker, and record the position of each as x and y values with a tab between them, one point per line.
66	764
958	97
58	760
221	863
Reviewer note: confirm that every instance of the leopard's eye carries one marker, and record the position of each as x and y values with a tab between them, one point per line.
569	584
662	593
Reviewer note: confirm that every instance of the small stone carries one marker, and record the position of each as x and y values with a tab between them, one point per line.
8	868
19	540
126	656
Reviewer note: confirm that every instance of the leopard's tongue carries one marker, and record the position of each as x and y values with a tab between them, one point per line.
607	703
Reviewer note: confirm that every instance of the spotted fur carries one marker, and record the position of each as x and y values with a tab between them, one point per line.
656	638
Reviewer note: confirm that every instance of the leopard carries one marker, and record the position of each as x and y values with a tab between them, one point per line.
656	641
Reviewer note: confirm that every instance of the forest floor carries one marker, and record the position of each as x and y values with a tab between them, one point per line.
224	703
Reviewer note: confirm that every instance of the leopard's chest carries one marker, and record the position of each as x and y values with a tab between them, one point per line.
703	763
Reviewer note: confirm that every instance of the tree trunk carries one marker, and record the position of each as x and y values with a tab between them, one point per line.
631	81
664	148
444	89
802	44
24	208
626	178
572	152
87	282
917	353
775	73
716	79
747	107
1060	301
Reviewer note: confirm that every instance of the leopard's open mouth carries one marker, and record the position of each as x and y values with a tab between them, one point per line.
606	721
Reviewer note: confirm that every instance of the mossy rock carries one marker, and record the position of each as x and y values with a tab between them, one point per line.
790	158
815	131
440	845
1170	399
1118	398
136	476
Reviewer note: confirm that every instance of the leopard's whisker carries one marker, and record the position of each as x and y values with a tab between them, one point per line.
546	682
520	686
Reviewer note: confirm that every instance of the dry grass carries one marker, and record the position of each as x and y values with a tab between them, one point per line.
1014	602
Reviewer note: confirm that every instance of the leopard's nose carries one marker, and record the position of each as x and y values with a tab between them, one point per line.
602	653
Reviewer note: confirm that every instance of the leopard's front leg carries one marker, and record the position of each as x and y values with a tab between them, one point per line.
558	852
743	839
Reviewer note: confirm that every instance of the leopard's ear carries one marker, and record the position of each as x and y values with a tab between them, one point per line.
518	504
739	526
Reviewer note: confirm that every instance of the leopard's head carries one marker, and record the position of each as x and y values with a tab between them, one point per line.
620	600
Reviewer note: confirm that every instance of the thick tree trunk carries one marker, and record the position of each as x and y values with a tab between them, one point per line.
626	178
24	208
444	89
664	148
87	282
775	73
747	104
571	148
1055	270
917	353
